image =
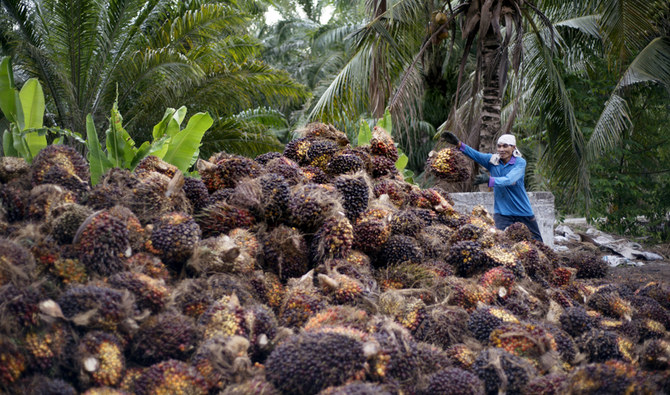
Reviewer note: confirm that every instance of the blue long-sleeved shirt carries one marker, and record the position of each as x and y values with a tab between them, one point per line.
509	193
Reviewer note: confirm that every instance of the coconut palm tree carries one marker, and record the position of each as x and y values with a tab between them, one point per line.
148	54
636	45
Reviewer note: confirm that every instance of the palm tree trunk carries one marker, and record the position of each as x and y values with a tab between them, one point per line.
491	53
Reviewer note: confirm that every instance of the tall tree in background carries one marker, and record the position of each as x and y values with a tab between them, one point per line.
630	36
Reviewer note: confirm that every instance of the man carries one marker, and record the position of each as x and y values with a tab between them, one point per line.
507	169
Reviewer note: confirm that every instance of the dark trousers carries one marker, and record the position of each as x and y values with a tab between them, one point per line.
503	221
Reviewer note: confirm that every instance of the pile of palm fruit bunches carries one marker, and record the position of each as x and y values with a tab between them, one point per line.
313	271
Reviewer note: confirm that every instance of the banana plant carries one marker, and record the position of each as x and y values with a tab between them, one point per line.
24	110
177	146
365	135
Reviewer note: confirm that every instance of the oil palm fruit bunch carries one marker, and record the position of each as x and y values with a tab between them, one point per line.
102	243
65	221
44	198
224	171
16	263
334	239
311	275
171	377
319	130
312	361
154	164
196	192
93	306
113	188
503	372
61	165
173	238
150	293
157	194
220	218
588	265
164	336
14	362
285	252
100	359
454	381
355	192
301	301
448	164
311	204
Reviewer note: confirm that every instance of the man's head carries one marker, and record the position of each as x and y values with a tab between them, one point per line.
506	146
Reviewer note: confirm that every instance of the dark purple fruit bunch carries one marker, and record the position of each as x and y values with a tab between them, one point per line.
310	362
588	265
150	293
399	249
102	243
263	159
154	164
224	170
467	258
355	193
197	193
485	320
454	381
334	239
173	238
220	218
310	205
96	307
165	336
518	232
503	372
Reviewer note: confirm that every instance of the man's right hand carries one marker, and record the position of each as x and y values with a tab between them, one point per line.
450	138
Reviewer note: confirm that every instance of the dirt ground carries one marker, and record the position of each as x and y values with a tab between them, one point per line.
634	276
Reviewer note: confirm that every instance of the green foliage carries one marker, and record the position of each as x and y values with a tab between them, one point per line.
25	111
149	54
629	185
632	183
179	147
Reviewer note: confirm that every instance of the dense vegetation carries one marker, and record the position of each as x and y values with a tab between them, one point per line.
583	84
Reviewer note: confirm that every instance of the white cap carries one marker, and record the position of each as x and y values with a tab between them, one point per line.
507	139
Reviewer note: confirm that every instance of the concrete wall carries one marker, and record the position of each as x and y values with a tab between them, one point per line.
541	202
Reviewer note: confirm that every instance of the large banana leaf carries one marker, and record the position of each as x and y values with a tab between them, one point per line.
120	146
32	103
9	97
97	159
184	145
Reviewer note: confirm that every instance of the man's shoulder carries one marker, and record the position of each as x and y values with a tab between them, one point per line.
519	161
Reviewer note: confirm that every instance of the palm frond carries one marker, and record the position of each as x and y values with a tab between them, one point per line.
612	123
651	64
587	24
625	25
235	135
565	154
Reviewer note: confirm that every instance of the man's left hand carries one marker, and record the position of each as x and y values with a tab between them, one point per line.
481	179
